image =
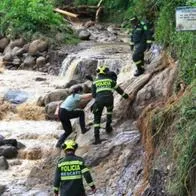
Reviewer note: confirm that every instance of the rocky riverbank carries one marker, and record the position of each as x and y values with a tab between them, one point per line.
117	164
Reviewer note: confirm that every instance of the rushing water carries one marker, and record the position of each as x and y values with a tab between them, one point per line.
39	137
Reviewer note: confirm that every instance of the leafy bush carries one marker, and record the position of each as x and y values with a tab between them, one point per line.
25	17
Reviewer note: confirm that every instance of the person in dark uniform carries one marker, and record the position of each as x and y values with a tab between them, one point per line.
141	40
111	74
70	171
102	91
69	109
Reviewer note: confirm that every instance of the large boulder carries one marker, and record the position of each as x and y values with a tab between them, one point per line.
37	46
17	51
17	43
40	61
8	152
85	67
57	95
3	163
50	110
84	35
3	43
29	61
10	142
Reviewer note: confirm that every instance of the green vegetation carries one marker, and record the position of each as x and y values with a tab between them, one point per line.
162	12
31	18
181	45
178	120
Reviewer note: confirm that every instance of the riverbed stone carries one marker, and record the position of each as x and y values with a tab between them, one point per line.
2	189
3	163
37	46
17	43
40	61
50	109
8	152
84	35
29	61
10	142
56	95
3	43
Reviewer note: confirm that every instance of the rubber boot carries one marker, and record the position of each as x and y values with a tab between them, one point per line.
139	71
97	140
61	140
85	130
109	129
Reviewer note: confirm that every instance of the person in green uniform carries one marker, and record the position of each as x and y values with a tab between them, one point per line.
102	90
70	171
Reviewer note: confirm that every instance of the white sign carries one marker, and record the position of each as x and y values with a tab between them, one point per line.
186	18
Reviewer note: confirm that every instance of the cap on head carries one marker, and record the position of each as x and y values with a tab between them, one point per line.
70	145
102	69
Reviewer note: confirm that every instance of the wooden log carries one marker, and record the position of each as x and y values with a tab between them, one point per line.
97	14
66	13
99	8
80	7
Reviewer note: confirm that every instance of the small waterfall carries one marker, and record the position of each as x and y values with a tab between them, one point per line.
113	64
68	68
115	57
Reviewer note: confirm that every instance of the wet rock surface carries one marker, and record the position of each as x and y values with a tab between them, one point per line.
8	151
2	188
3	163
117	163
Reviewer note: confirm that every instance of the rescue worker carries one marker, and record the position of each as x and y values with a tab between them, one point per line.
69	172
111	74
102	91
141	41
69	109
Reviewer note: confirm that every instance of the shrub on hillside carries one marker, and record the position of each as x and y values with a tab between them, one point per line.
26	17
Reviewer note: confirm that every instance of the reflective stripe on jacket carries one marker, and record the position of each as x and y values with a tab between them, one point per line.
68	176
103	86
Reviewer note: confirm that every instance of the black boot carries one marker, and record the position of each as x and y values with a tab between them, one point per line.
85	130
139	71
61	140
109	129
97	140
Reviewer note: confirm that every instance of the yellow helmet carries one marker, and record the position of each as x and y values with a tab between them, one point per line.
70	145
102	69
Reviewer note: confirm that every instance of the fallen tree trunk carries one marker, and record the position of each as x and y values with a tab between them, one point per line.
66	13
